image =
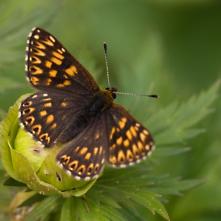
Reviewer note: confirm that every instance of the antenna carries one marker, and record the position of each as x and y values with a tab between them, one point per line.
133	94
106	63
114	91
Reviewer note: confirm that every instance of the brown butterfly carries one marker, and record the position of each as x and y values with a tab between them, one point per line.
70	108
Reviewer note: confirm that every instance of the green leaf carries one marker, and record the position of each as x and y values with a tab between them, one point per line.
150	201
174	123
14	31
167	185
43	209
66	211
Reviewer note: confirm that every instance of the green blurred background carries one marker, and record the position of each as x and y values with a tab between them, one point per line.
171	48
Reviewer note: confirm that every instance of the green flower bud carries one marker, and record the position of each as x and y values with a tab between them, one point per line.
26	161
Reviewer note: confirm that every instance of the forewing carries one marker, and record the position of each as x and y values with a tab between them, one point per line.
50	66
130	141
48	115
84	156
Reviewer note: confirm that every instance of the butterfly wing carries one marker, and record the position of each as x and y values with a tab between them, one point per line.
65	87
52	117
49	66
84	156
129	141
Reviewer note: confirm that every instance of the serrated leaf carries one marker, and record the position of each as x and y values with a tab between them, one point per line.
13	31
43	209
173	124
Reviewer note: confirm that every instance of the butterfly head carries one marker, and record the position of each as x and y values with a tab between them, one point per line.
111	91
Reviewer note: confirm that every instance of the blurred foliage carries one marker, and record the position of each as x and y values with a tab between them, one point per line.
170	48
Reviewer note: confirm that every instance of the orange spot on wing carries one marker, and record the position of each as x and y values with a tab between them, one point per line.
39	52
71	71
48	81
35	70
133	131
35	60
122	122
49	119
48	64
81	169
73	165
53	73
49	104
121	156
135	149
88	156
130	155
60	85
113	159
140	145
30	120
83	150
45	137
119	141
90	168
67	82
34	80
40	45
142	137
112	132
48	42
65	159
64	104
56	61
129	135
36	129
58	55
101	150
43	113
28	110
54	125
126	143
95	150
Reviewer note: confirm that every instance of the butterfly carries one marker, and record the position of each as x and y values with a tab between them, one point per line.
70	109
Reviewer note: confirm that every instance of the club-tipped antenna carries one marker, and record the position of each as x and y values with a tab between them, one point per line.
106	63
139	95
109	84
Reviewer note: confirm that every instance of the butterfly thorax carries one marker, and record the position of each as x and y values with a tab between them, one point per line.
101	100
